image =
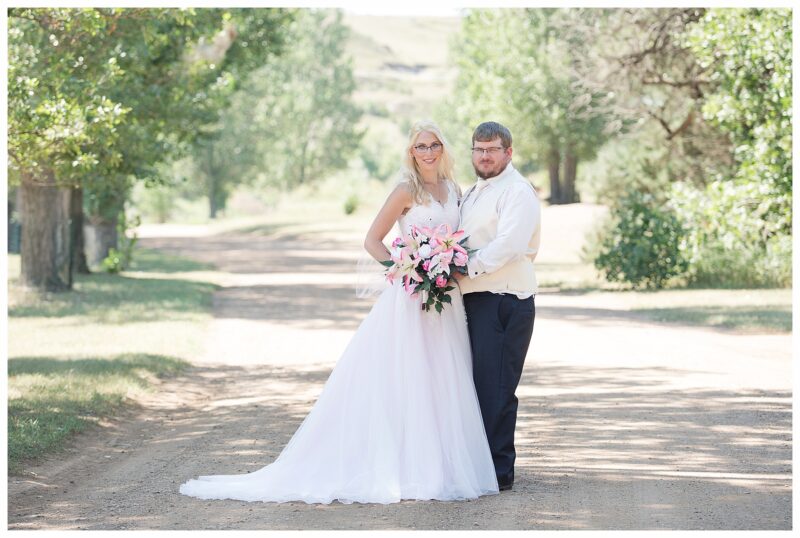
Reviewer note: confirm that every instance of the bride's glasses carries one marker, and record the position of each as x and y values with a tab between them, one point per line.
422	149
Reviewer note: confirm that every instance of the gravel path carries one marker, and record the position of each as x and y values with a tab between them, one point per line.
623	423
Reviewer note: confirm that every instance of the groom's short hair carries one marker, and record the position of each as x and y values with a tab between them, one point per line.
489	130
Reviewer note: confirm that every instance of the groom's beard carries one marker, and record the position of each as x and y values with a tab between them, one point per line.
489	172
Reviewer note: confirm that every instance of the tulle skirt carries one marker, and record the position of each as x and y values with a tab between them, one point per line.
398	418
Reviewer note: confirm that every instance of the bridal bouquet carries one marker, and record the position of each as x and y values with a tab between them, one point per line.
425	260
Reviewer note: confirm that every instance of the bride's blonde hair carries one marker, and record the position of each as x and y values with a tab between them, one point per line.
410	172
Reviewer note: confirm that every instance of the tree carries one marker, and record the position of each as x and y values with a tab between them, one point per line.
520	62
748	56
87	95
293	121
59	127
641	57
741	223
712	91
177	91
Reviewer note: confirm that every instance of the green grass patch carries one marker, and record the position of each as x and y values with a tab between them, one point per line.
153	261
777	318
744	309
52	399
117	299
80	356
766	310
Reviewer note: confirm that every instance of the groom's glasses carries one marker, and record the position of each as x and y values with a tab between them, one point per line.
422	149
480	152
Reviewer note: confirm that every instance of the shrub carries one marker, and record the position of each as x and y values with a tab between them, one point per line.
351	204
734	237
641	244
119	260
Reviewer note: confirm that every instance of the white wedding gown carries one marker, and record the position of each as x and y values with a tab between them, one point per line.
398	418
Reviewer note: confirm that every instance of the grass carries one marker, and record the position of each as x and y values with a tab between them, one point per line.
749	318
741	309
751	310
50	399
116	299
81	356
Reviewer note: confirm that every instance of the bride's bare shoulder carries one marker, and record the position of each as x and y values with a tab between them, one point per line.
403	194
403	189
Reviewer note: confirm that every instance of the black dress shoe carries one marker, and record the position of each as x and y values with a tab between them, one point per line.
505	487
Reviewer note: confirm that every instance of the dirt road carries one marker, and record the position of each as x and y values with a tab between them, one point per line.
623	423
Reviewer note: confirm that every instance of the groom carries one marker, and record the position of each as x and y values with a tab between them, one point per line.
501	215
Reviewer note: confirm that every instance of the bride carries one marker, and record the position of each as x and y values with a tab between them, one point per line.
398	418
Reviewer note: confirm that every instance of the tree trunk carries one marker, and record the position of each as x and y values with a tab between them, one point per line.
79	264
212	203
553	164
46	258
303	151
100	236
213	183
14	229
568	193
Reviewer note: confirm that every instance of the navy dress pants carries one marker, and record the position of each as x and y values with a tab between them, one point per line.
500	329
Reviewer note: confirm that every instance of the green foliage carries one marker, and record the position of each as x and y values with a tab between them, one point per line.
119	260
157	201
641	245
640	56
629	163
113	262
101	95
377	109
749	55
56	120
380	153
293	120
732	239
718	84
351	204
104	197
516	67
739	225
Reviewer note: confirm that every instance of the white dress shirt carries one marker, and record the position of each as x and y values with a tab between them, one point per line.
519	215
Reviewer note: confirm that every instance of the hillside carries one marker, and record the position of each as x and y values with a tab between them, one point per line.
401	64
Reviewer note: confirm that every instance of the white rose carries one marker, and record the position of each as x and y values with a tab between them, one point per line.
424	251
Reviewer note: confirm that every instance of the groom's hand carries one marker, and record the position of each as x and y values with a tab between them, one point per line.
458	276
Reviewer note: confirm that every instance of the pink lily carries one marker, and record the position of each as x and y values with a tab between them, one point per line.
446	257
411	288
448	240
406	265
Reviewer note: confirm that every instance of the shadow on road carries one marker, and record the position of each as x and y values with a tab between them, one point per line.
599	447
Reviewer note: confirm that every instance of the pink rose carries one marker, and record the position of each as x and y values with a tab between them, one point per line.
441	281
426	265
